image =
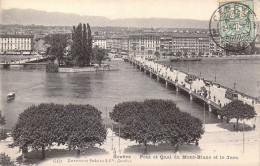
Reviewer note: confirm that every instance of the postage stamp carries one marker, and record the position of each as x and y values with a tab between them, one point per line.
233	26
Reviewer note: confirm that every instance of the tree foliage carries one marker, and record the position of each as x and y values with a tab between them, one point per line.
57	46
156	121
2	119
238	110
81	48
157	54
99	54
3	134
77	126
5	160
52	68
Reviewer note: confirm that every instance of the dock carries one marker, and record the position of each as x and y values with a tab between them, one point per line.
26	62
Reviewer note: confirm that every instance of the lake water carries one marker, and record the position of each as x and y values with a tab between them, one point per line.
105	89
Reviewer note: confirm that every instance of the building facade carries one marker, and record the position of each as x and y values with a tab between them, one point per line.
16	44
176	44
144	44
99	41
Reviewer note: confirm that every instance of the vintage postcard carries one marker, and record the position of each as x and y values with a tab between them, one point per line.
129	82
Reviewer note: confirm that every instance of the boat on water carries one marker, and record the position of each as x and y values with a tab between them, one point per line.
177	59
10	95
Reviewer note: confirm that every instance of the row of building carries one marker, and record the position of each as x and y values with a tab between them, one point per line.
16	44
138	44
148	44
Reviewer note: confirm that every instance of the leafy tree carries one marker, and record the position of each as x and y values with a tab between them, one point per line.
89	44
164	54
81	48
201	53
2	119
86	128
157	54
84	46
156	121
193	54
57	46
237	109
178	53
77	126
3	134
5	160
99	54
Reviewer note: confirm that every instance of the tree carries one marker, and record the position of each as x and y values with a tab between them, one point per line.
237	109
156	121
57	46
201	53
99	54
74	125
86	128
157	54
3	134
164	54
178	53
81	48
5	160
89	44
2	119
84	46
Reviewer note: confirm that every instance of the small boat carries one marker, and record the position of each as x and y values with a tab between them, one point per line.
10	95
177	59
192	59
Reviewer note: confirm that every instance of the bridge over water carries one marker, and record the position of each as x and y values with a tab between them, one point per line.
172	76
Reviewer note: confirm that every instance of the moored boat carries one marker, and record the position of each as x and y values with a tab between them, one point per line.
10	95
177	59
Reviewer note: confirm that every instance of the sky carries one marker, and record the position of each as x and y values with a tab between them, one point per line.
114	9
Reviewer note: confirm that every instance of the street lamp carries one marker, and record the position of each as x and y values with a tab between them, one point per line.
204	117
215	75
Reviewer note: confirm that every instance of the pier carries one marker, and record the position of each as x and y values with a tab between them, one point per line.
26	62
215	97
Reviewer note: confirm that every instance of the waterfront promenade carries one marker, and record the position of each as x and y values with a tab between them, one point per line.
215	98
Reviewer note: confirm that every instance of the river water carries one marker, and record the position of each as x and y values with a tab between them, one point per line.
105	89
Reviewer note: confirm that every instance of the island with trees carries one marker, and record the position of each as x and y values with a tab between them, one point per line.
74	51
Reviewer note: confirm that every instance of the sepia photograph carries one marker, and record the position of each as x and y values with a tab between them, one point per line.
129	82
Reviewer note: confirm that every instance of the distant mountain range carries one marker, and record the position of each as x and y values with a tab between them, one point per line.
28	17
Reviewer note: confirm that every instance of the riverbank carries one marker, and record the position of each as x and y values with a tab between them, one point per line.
88	69
232	57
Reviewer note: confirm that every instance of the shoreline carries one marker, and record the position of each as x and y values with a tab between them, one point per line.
232	57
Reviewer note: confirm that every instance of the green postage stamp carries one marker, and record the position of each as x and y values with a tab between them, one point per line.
237	21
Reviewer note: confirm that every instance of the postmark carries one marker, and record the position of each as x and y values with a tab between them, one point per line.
233	26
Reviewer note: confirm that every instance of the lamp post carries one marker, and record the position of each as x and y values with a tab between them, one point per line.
119	138
215	75
204	117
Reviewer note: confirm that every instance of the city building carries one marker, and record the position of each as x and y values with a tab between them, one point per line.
144	44
176	44
100	41
191	44
114	43
16	44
